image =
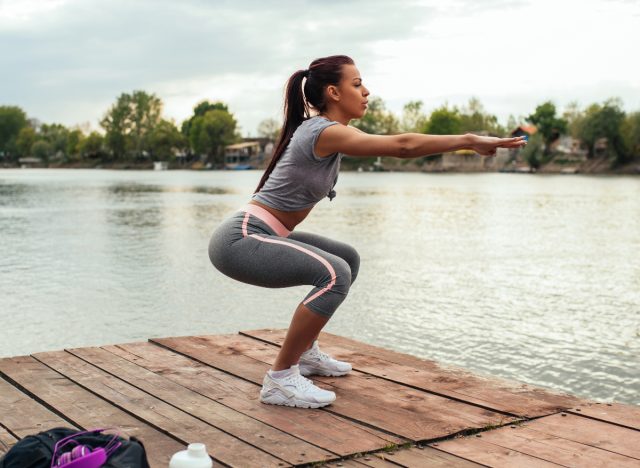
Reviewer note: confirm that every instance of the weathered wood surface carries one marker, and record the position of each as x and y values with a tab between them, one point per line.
404	411
566	440
509	397
172	391
316	427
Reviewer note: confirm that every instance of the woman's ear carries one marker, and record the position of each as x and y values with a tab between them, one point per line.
333	93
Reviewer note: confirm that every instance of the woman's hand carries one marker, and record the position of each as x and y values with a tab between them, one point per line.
486	146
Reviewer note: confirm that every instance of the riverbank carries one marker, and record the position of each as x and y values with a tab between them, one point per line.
447	163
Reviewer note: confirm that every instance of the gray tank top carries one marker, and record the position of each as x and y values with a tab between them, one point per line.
301	178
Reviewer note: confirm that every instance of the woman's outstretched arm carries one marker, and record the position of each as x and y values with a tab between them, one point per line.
351	141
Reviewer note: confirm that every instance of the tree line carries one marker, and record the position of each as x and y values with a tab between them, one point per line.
134	130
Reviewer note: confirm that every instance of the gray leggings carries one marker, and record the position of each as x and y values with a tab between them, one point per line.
259	252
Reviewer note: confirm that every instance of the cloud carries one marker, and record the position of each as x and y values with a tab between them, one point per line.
67	61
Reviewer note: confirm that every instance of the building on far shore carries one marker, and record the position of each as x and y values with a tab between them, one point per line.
30	162
250	154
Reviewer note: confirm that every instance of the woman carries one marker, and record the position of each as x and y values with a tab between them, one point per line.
258	245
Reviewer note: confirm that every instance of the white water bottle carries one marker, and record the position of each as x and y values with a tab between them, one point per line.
195	456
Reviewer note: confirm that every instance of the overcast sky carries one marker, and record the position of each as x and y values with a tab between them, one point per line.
66	61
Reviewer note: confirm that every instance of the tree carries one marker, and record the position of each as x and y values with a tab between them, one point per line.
199	110
413	119
549	126
24	142
164	140
41	149
377	120
211	132
604	121
444	121
57	136
474	118
12	120
533	153
631	134
92	146
573	116
269	128
129	122
74	140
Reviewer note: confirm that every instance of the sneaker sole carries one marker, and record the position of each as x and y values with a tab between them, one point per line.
295	403
305	373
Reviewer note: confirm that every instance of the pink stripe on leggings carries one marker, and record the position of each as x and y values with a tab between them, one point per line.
268	218
332	272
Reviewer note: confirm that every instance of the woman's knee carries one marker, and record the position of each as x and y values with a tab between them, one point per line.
353	259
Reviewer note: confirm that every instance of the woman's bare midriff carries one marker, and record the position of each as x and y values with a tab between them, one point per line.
290	219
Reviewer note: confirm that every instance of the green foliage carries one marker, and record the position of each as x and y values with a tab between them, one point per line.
269	128
377	120
631	134
444	121
74	138
413	118
548	124
474	118
92	146
43	150
129	123
57	136
24	142
211	132
604	121
533	153
12	120
164	140
199	110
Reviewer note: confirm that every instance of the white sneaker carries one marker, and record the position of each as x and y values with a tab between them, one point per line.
294	390
315	362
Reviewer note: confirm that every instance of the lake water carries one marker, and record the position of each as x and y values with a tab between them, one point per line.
528	277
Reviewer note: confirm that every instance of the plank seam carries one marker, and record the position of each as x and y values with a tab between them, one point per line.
159	429
11	433
39	400
415	387
595	418
583	443
177	407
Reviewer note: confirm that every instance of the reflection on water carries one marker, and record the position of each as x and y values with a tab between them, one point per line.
535	278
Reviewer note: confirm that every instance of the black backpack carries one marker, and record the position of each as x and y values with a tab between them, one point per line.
36	451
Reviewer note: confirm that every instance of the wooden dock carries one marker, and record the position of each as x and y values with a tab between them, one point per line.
392	410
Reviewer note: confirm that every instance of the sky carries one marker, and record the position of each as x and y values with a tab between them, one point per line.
67	61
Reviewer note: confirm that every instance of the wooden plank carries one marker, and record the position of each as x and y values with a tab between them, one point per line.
21	414
552	448
385	405
86	410
617	413
425	456
317	427
170	420
265	437
591	432
6	441
486	453
510	397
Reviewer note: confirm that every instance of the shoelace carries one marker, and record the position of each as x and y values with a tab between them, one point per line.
315	352
300	381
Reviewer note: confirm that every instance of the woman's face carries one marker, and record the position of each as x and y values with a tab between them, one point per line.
353	94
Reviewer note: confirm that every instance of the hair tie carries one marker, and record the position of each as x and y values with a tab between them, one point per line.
306	73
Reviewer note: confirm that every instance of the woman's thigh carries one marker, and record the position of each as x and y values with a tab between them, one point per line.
340	249
278	262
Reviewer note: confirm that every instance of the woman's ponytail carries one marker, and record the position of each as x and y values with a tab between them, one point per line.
321	73
296	111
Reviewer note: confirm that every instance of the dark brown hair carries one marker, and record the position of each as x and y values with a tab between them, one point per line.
321	73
